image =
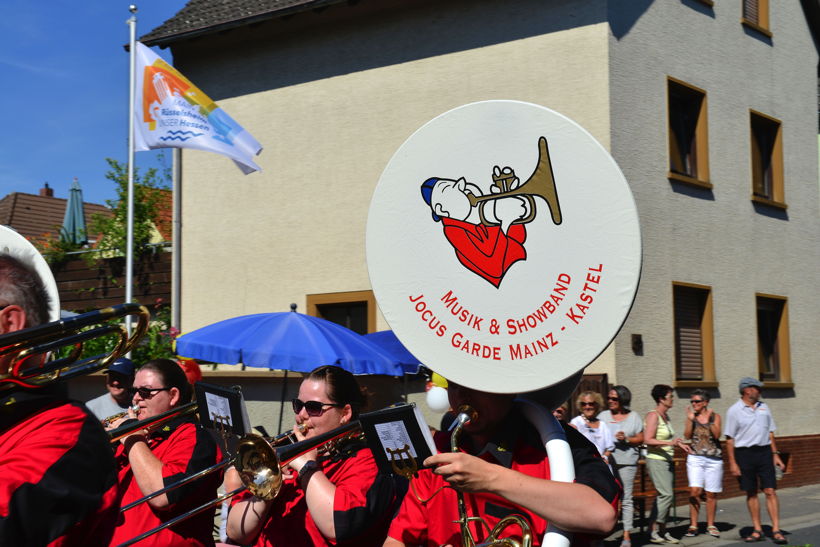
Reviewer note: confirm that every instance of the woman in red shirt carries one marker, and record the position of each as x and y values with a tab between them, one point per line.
338	499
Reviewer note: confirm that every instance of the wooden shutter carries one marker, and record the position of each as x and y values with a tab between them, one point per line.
689	308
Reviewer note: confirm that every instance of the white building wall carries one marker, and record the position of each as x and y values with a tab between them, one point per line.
719	238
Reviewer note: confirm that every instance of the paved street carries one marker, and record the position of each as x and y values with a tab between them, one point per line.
799	516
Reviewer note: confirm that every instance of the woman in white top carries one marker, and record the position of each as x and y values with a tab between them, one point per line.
589	403
627	428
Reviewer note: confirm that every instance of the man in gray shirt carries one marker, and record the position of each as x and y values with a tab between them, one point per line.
120	378
753	454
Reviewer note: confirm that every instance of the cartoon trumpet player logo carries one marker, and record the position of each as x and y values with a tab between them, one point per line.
488	231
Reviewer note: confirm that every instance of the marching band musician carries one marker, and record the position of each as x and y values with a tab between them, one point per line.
338	499
149	461
59	484
503	466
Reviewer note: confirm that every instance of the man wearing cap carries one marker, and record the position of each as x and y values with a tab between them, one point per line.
120	377
753	455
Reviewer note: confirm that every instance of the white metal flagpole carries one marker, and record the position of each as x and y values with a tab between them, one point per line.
129	244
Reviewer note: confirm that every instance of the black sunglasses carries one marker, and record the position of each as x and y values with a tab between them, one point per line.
696	400
613	399
313	408
146	392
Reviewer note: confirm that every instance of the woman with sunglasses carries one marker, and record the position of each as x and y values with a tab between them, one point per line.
661	442
704	466
627	428
327	499
149	461
589	403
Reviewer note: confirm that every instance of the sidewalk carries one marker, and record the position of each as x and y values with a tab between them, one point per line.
799	508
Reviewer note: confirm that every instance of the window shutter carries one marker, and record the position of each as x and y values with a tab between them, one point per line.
751	11
689	304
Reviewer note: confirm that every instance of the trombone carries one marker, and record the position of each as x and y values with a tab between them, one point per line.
25	344
258	460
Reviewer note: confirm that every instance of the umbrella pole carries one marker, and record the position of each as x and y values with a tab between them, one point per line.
282	400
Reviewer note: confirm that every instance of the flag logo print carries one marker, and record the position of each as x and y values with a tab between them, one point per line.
172	112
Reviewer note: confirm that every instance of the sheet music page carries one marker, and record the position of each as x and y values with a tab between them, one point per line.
394	435
218	406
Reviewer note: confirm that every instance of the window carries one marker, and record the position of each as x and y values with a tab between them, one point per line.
355	310
688	137
767	160
756	15
694	344
773	355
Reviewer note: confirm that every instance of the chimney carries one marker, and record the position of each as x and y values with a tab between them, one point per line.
47	191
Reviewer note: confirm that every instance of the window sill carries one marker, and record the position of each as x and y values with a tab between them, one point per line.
754	26
778	385
695	383
769	202
692	181
709	3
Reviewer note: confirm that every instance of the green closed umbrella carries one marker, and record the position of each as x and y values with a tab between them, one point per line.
73	229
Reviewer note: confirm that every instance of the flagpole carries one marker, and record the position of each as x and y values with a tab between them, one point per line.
129	243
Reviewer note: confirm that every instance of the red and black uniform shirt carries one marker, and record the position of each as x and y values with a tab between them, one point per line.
519	448
363	505
58	480
184	448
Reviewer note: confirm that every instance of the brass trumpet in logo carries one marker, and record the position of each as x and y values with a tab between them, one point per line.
540	184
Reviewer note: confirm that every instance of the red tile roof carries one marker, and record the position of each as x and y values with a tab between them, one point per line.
40	217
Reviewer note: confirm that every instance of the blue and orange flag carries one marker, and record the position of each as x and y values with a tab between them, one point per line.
171	112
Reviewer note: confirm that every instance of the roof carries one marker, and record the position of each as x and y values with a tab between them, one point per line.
164	212
200	17
39	217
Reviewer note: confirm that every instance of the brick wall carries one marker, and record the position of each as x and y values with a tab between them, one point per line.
798	453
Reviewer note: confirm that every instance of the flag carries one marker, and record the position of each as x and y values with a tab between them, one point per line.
171	112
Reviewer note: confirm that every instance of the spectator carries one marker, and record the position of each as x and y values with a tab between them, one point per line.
561	412
626	427
660	438
753	455
119	379
589	404
704	466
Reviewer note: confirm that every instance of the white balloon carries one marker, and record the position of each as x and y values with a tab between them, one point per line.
437	399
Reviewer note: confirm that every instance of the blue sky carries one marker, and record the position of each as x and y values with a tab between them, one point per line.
64	91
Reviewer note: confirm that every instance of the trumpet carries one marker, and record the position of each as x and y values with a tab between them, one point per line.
540	184
114	417
41	340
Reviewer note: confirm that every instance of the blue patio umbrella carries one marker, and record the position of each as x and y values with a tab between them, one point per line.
389	342
73	229
286	341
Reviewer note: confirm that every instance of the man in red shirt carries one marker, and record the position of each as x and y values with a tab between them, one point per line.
502	468
58	480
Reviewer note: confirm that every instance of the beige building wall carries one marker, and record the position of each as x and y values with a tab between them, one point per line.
332	95
257	243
